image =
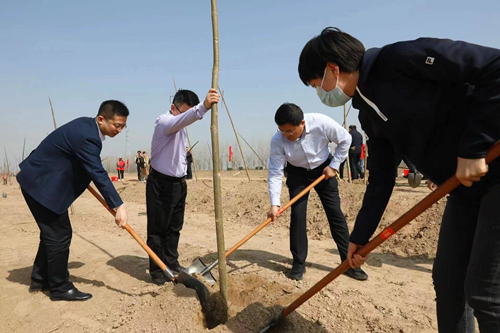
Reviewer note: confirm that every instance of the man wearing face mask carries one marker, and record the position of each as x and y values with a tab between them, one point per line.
302	143
453	88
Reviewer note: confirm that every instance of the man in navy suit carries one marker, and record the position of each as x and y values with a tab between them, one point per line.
52	177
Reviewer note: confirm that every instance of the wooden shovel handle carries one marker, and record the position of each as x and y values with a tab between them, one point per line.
418	209
280	211
150	252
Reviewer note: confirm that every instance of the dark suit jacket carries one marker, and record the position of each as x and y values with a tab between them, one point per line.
62	166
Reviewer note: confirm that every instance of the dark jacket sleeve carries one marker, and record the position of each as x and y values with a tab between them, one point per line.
455	62
88	152
380	185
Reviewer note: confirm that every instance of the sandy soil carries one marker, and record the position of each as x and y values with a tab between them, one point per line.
107	262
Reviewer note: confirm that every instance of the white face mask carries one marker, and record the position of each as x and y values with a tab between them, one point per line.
334	97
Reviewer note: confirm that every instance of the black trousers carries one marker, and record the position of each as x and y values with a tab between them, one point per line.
466	271
189	172
139	176
354	161
165	201
51	262
120	174
298	179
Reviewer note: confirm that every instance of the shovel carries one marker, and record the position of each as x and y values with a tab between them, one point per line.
182	278
448	186
198	266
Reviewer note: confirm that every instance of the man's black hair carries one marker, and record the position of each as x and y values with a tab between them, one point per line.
139	151
289	113
352	127
144	152
109	109
334	46
183	96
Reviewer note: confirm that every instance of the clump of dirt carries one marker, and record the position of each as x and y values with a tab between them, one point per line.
215	310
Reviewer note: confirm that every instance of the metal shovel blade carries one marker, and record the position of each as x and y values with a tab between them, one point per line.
192	283
198	266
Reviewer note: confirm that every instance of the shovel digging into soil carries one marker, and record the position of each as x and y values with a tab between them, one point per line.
448	186
209	304
198	266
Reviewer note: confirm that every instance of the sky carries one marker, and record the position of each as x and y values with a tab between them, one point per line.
82	53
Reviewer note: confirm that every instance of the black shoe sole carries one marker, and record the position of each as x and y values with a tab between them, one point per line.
56	299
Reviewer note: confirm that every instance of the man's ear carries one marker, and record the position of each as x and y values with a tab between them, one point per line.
334	68
303	122
100	119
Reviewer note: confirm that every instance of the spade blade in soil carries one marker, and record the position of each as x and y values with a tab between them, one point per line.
192	283
198	266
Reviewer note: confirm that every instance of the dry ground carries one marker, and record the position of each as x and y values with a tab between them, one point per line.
107	262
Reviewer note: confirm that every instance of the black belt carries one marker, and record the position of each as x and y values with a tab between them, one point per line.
294	170
160	175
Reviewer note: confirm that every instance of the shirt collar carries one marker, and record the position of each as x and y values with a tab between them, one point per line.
101	136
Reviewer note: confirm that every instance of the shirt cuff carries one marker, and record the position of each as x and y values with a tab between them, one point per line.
335	165
201	110
275	201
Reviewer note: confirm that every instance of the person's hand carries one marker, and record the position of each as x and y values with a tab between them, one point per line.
212	97
273	213
353	148
431	185
355	260
121	217
329	172
471	170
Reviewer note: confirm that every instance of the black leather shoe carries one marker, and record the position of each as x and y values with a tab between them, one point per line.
177	269
36	286
357	274
71	295
297	272
160	280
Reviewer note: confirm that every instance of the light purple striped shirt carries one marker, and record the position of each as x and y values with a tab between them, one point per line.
168	146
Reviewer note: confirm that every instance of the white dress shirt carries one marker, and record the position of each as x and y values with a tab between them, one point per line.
168	147
309	151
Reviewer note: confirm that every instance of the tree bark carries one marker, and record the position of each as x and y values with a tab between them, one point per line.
214	129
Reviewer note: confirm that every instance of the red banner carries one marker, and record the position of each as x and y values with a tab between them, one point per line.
230	153
127	163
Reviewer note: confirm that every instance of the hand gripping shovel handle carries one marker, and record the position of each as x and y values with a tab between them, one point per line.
263	224
150	252
419	208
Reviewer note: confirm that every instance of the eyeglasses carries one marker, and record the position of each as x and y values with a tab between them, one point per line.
117	126
178	109
287	132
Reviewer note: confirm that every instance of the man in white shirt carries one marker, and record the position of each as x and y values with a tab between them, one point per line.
302	142
166	188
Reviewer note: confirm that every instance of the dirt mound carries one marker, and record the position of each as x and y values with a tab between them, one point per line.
247	203
107	262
